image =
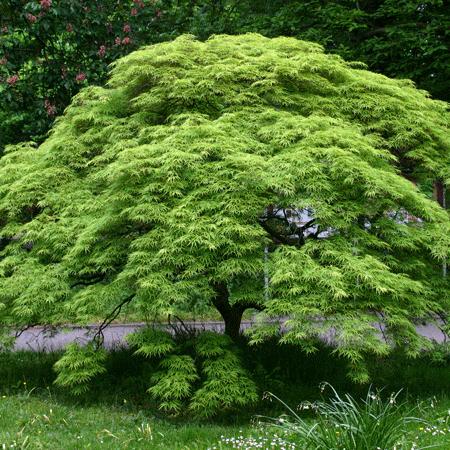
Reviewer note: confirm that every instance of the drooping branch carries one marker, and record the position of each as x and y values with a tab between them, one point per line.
22	330
444	319
179	329
99	337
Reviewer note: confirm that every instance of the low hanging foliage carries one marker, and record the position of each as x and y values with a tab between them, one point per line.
78	366
202	374
227	383
208	380
240	172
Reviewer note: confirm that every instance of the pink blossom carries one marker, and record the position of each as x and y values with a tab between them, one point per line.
3	61
101	51
117	40
139	3
31	18
50	108
45	4
126	28
158	13
12	80
4	29
80	76
133	11
126	40
69	27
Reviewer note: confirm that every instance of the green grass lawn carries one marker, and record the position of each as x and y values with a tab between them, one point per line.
35	422
117	413
435	434
38	421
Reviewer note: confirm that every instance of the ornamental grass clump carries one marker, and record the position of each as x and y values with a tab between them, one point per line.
342	423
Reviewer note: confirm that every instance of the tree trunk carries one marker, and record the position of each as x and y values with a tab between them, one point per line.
439	193
231	314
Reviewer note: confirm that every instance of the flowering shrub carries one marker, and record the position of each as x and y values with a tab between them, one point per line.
51	49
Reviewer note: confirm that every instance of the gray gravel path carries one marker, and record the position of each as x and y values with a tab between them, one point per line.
38	339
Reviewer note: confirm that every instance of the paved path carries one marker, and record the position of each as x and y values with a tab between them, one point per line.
37	339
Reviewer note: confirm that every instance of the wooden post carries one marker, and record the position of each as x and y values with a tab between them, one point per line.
439	195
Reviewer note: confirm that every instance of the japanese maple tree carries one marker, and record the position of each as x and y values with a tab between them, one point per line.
240	172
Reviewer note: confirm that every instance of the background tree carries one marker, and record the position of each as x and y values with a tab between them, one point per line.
51	49
401	39
165	188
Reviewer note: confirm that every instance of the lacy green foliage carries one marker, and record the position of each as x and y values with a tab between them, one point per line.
226	384
156	187
151	342
78	366
173	384
47	54
212	345
206	381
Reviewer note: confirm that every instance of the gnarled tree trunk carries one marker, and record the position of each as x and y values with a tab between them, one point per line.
231	314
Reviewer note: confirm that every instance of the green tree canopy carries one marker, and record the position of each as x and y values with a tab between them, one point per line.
165	188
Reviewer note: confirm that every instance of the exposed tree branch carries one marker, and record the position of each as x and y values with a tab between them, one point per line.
87	282
275	236
22	330
291	228
99	337
252	305
381	322
179	329
443	317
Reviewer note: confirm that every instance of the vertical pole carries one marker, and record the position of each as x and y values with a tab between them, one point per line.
444	205
439	194
266	273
